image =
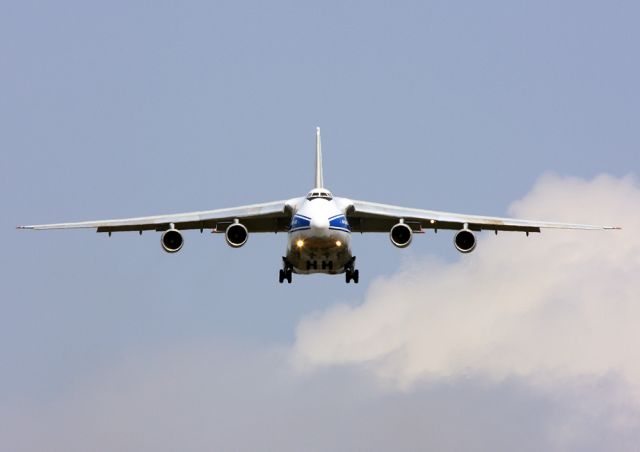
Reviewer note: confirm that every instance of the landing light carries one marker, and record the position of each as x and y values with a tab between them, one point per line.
338	243
299	243
433	221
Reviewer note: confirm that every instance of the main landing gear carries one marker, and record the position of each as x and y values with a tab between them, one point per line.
286	272
351	274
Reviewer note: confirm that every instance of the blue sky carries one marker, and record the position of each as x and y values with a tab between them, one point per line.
126	109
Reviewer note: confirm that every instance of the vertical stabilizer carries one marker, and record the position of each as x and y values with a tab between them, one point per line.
319	178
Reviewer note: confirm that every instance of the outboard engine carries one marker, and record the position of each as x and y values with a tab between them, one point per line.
236	235
172	240
401	235
465	241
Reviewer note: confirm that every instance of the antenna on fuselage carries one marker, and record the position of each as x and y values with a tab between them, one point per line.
319	179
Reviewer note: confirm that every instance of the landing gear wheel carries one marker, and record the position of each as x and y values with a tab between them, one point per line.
286	272
352	275
285	275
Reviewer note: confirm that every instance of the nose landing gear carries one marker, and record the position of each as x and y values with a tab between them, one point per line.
327	265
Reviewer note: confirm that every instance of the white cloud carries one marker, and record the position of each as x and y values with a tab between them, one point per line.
554	306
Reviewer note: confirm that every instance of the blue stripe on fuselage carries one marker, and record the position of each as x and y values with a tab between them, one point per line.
340	223
299	222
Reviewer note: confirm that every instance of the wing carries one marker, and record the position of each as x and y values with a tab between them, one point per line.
267	217
366	216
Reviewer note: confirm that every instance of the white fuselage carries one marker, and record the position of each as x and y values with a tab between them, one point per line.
319	237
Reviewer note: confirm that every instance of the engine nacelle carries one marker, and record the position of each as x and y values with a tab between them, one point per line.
401	235
465	241
236	235
172	240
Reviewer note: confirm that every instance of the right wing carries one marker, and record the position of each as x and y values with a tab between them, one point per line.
364	216
266	217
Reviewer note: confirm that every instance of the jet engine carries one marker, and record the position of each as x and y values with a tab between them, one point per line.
172	240
465	241
401	235
236	235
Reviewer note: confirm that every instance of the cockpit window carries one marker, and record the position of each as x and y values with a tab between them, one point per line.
319	195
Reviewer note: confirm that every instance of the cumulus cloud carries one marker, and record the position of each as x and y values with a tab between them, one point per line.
550	307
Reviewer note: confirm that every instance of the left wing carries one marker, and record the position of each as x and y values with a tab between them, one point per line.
366	216
267	217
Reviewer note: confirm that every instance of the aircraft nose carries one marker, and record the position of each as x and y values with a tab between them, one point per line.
320	224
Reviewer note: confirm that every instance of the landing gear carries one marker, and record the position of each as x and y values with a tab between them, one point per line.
351	274
286	272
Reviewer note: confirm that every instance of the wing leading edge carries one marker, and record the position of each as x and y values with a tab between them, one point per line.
266	217
367	216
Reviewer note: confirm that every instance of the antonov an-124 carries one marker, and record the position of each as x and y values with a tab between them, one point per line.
318	226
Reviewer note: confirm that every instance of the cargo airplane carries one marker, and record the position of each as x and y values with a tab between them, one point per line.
318	226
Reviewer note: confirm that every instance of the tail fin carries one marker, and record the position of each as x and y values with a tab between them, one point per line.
319	178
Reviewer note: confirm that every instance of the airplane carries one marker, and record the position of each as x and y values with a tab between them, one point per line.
319	227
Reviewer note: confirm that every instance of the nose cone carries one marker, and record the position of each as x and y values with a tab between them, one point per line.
320	225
